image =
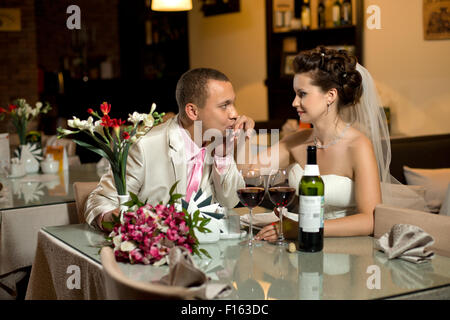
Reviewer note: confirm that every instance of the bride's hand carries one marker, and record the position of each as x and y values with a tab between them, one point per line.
269	232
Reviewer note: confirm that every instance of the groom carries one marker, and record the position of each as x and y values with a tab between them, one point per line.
181	150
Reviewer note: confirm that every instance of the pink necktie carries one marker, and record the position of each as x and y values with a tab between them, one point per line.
196	176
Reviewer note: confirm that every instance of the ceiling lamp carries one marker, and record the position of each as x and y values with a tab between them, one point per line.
171	5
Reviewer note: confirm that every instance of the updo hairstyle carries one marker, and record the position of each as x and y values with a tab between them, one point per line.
329	68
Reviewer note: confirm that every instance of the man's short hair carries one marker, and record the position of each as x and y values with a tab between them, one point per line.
192	87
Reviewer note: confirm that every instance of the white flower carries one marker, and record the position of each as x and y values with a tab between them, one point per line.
127	246
152	108
149	120
66	132
117	240
82	124
136	117
38	104
98	127
74	123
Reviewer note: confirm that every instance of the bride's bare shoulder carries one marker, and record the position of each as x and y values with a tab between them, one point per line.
358	142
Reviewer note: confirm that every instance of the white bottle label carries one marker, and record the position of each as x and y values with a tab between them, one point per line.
346	13
311	170
336	14
311	213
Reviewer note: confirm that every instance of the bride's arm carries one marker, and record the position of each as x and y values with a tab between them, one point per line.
367	194
276	156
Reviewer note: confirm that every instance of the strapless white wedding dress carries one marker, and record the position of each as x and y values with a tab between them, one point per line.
339	193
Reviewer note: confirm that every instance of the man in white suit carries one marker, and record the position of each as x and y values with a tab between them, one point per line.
168	153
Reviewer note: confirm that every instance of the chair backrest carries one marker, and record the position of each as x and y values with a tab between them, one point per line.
118	286
437	226
81	191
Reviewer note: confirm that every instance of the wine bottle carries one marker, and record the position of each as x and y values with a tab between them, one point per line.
321	14
311	190
336	9
306	15
346	13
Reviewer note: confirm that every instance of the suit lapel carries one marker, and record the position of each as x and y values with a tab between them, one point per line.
177	155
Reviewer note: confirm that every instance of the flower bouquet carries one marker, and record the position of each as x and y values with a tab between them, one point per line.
21	113
111	139
147	233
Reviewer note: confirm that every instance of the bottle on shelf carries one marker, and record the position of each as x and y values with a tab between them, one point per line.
306	15
346	12
336	10
311	190
321	14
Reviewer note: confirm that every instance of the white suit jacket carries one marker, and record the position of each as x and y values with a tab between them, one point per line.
154	164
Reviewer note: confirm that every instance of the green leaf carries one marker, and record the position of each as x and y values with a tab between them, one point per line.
206	253
92	148
196	215
176	196
108	225
172	189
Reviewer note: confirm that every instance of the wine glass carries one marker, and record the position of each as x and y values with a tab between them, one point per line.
281	194
251	196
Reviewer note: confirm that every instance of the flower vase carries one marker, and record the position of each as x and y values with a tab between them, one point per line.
30	163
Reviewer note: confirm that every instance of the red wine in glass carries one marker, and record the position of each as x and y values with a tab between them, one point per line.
281	196
251	196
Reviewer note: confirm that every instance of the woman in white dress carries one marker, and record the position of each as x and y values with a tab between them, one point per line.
337	96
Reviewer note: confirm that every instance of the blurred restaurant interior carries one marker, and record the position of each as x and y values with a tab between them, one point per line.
131	56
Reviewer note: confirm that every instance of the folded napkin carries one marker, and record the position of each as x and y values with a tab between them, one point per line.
260	220
183	273
406	242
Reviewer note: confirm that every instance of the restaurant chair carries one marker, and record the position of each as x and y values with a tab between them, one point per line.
437	226
81	191
120	287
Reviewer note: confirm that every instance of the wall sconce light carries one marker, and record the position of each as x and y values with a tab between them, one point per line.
171	5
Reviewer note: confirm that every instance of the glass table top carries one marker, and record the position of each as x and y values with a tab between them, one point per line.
44	189
348	268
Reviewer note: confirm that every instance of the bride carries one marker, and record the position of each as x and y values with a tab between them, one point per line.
338	97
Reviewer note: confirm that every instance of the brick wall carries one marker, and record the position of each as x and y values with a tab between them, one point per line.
18	59
45	40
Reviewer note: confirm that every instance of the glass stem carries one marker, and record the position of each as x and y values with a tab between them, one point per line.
281	236
251	224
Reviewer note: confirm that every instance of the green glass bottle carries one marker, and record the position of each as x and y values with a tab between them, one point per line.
311	189
336	10
346	13
321	14
306	15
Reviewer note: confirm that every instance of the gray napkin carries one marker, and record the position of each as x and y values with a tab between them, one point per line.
406	242
183	273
